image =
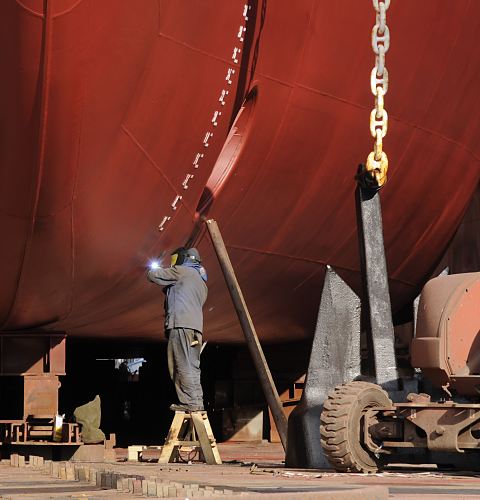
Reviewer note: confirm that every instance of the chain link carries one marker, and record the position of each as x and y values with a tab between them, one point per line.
377	161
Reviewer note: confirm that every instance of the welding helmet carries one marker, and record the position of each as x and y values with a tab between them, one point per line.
182	255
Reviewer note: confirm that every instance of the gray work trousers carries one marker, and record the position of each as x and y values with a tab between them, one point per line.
184	347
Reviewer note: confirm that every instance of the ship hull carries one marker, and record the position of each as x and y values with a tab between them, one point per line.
117	120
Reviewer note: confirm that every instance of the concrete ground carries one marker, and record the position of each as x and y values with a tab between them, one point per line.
254	471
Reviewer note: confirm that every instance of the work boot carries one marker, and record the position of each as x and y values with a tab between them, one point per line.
183	407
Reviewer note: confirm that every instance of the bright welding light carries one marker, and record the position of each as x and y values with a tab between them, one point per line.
154	264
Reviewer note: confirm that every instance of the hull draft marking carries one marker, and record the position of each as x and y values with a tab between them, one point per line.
216	115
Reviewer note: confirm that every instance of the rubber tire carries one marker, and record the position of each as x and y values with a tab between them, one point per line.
340	425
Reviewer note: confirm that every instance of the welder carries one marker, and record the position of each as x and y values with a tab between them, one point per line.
185	292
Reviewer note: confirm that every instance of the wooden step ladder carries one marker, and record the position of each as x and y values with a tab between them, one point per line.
193	430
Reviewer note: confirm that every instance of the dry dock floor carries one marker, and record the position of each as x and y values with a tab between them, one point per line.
253	471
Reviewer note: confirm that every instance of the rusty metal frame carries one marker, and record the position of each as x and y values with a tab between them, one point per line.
38	432
39	358
438	427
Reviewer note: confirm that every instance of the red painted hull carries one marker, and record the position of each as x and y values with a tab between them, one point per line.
104	107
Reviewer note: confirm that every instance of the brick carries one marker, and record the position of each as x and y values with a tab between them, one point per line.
47	467
151	488
108	480
125	484
93	476
62	471
162	490
55	469
119	482
137	487
114	481
100	478
130	484
70	472
82	474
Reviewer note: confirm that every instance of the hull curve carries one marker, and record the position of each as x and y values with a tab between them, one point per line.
117	120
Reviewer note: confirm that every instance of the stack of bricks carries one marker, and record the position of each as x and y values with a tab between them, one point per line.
124	483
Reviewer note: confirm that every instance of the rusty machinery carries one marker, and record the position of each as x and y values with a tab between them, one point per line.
39	358
362	429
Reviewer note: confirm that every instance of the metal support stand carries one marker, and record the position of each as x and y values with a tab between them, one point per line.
261	366
334	360
376	299
39	358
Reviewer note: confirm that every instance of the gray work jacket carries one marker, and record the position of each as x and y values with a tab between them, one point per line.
185	293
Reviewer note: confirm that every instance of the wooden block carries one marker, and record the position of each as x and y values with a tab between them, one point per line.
133	453
21	461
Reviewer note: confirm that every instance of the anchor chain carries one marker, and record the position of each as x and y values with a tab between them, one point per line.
375	172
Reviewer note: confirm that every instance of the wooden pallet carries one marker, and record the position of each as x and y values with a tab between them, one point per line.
192	430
